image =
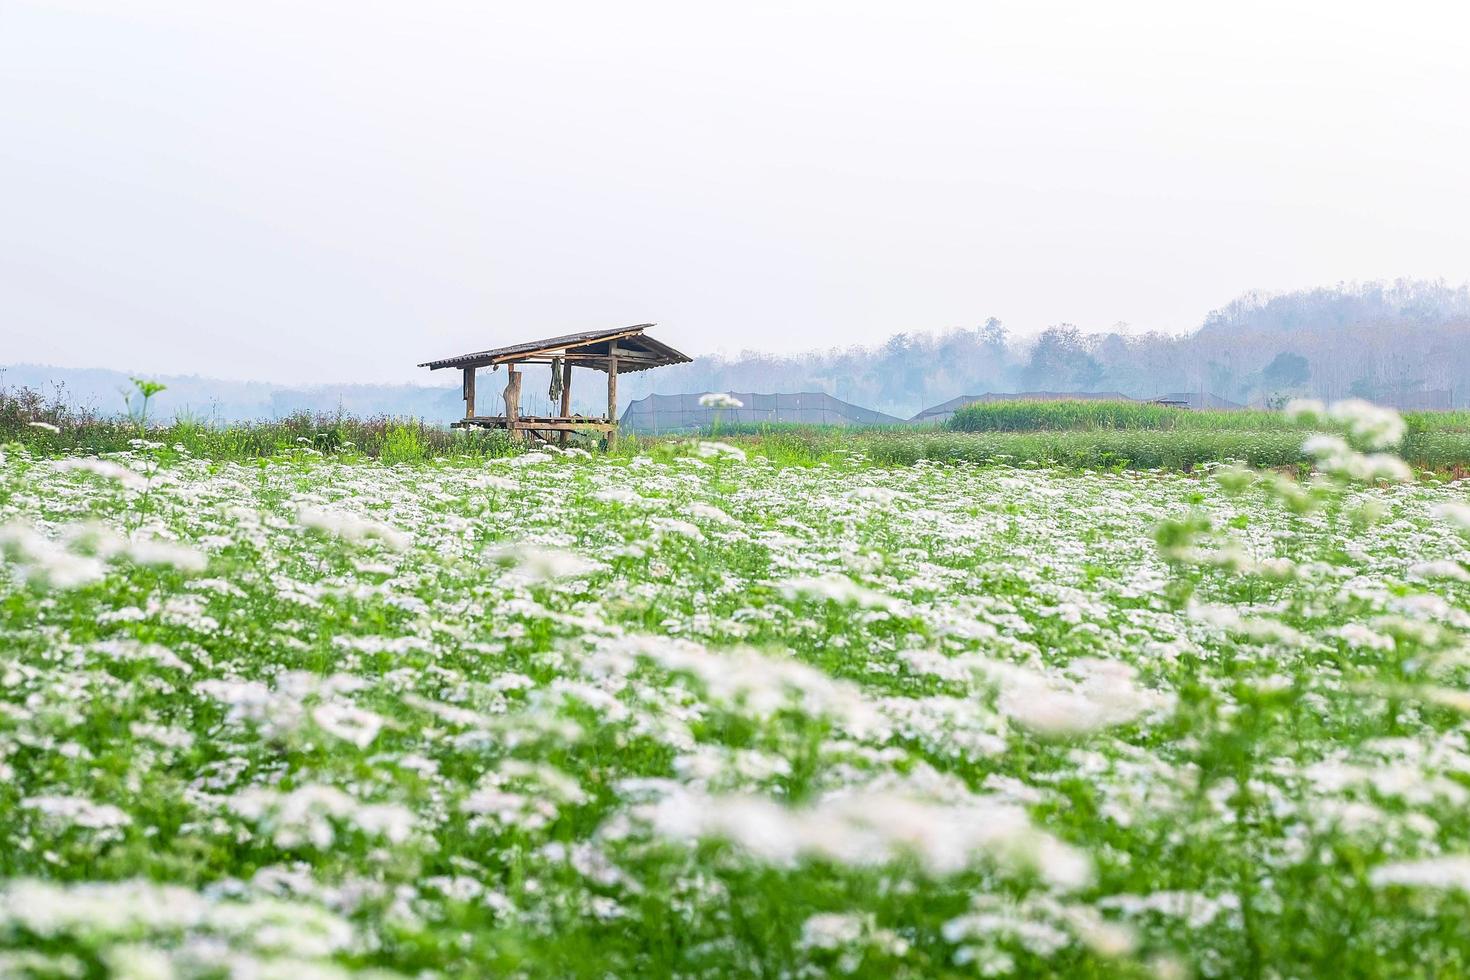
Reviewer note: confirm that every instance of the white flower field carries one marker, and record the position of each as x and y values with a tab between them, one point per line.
692	713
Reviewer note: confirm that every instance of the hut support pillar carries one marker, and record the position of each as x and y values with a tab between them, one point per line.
469	392
566	397
612	395
512	401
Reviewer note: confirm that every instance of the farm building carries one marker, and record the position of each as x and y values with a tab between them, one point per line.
657	414
939	414
615	351
1197	401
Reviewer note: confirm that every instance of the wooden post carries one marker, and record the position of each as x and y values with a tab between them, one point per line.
612	395
512	399
566	397
469	392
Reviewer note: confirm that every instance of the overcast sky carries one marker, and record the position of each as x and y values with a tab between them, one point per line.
308	190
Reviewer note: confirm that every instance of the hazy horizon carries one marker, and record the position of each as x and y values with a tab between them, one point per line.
450	379
330	191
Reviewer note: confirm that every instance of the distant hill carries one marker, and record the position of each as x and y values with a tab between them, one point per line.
1404	343
104	390
1403	302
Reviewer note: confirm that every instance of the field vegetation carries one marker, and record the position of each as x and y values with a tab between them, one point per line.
691	709
56	425
1073	435
1093	416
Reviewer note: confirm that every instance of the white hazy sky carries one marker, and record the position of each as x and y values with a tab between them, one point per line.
300	190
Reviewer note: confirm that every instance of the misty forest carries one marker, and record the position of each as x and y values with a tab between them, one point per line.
1402	344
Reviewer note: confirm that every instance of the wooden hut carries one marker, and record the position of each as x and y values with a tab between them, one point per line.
614	352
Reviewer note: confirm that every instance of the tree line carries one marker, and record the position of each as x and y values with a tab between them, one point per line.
1405	342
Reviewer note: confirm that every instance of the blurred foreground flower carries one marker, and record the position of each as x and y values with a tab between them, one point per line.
866	828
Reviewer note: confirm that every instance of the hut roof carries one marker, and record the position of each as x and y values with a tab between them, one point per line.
1199	400
636	351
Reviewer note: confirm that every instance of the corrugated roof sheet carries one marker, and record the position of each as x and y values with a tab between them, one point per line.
682	413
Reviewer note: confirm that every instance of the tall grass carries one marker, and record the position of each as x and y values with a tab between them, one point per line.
1076	435
1079	416
55	426
1067	416
1094	449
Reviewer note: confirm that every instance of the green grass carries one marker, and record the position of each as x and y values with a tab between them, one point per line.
27	419
1073	435
1089	416
1445	452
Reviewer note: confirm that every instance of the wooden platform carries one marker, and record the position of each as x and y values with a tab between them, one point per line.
549	423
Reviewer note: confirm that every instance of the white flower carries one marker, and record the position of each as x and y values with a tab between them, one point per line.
879	495
1305	410
1196	909
306	815
1381	466
524	795
1323	446
99	908
43	560
538	562
1042	924
1105	694
1334	455
348	722
1449	872
76	811
833	930
104	468
617	495
44	426
666	526
720	400
353	528
1359	636
835	587
866	828
1368	424
136	962
1439	569
155	551
707	512
752	682
1455	513
711	450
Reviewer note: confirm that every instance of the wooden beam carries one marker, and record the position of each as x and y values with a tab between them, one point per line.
623	354
591	360
558	351
566	395
533	422
469	392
